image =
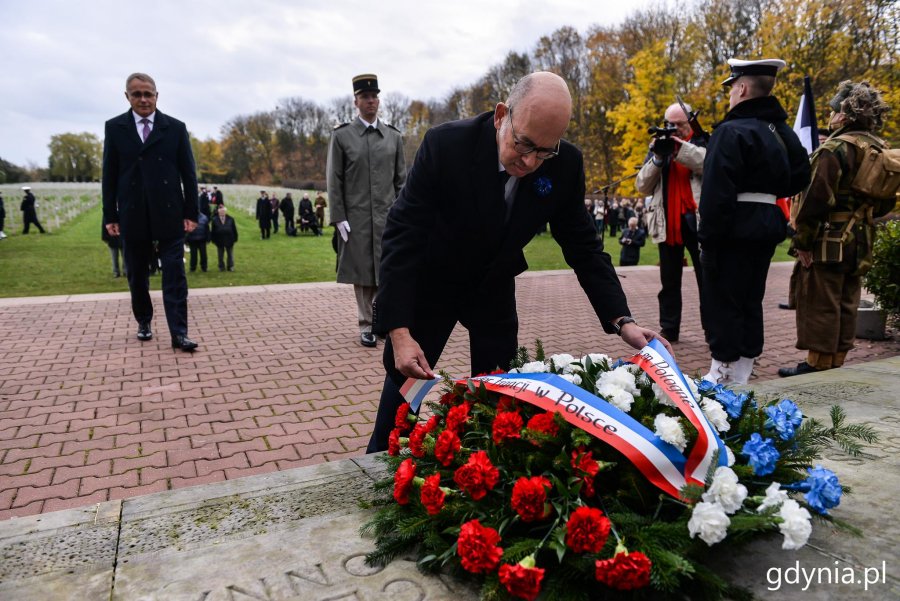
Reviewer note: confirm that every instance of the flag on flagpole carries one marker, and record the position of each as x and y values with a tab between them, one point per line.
805	123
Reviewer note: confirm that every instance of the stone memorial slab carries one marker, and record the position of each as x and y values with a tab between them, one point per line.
294	535
64	555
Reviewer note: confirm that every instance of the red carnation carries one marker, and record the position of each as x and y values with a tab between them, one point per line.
401	418
529	495
403	481
507	424
432	423
506	403
477	547
585	463
394	442
417	440
446	447
449	398
587	530
544	423
457	416
432	496
521	581
626	571
478	476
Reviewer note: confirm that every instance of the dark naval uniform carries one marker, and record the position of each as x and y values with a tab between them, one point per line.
753	158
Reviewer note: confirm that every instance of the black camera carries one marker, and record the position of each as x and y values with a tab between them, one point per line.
664	144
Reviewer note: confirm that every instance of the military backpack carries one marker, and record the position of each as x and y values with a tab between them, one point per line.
878	175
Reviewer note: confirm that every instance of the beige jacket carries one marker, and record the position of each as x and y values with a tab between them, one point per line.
649	181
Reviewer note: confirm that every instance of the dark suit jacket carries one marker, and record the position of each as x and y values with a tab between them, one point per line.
150	188
445	234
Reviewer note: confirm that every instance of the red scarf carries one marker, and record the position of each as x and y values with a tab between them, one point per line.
680	200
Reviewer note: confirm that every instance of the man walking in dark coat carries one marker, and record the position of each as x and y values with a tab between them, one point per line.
224	236
753	158
29	211
2	217
478	192
264	215
150	194
287	209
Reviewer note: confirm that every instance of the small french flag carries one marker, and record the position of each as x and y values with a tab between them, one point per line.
414	391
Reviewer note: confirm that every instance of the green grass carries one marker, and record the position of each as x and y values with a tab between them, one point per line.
73	259
542	253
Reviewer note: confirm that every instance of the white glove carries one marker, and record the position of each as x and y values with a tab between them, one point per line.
344	229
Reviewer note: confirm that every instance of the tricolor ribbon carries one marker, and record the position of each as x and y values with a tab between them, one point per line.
660	462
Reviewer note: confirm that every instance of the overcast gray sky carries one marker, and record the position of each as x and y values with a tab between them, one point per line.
65	62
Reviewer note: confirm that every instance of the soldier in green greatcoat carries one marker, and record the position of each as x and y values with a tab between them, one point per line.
366	170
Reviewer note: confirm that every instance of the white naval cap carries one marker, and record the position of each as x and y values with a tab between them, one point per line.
766	66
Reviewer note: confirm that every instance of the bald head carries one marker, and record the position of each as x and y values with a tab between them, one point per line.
546	96
532	121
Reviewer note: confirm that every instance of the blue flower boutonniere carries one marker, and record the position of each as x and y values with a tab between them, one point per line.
543	186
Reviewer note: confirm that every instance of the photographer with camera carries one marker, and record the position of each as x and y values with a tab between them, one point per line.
673	173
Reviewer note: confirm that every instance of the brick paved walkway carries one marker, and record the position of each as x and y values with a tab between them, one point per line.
88	413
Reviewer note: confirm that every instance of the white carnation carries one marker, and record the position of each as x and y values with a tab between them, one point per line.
661	395
774	497
796	526
643	379
670	430
535	367
573	378
730	455
596	358
726	490
693	386
716	415
709	521
619	377
563	362
620	399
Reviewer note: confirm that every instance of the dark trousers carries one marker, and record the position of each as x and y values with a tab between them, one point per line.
265	231
275	222
198	247
114	252
493	329
671	268
29	219
732	301
221	252
288	222
138	255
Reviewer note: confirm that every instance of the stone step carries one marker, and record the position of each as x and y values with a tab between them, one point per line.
293	535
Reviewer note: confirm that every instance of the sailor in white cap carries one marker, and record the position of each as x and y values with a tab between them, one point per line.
752	159
29	211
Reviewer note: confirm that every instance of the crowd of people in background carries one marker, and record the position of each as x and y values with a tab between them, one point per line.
616	214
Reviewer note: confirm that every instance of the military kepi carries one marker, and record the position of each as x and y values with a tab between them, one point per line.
766	66
366	82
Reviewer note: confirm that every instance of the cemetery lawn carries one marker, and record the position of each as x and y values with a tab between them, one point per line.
74	260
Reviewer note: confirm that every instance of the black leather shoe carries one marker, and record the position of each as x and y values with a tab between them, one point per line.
785	306
184	343
802	368
670	336
368	339
144	332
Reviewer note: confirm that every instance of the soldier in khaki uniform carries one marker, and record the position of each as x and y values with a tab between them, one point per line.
827	276
365	170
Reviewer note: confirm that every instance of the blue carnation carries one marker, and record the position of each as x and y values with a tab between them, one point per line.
784	417
732	402
823	491
762	454
543	186
706	386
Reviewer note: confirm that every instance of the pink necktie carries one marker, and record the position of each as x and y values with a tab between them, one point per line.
146	132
